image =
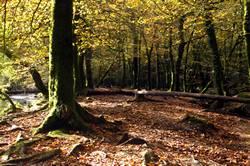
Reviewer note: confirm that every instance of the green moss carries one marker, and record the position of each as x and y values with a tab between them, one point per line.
199	123
58	134
194	119
244	94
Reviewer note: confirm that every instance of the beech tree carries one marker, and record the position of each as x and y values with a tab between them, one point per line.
64	111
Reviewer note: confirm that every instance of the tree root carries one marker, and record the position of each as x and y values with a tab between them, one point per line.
18	147
76	147
34	158
128	139
5	119
80	120
9	99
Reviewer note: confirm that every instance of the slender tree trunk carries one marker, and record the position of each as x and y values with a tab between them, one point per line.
139	82
186	61
180	53
82	74
149	57
172	84
88	65
217	67
78	86
158	73
124	71
135	58
246	26
38	82
4	24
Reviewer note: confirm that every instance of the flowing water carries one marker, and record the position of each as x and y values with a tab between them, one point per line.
24	98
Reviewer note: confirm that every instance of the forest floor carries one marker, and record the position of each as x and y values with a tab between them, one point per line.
161	125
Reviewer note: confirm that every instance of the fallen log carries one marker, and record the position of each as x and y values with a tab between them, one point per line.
104	91
195	95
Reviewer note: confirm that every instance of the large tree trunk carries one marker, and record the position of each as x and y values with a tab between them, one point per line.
217	68
61	82
247	31
64	111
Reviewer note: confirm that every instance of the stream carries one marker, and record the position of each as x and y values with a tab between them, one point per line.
24	98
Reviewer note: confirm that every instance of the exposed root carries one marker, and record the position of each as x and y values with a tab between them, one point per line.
34	158
138	98
128	139
18	147
5	119
9	99
198	124
80	120
12	128
75	148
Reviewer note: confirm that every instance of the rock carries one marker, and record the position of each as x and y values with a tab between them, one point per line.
149	157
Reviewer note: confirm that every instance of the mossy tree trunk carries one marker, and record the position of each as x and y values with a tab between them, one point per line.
64	111
61	81
246	26
217	67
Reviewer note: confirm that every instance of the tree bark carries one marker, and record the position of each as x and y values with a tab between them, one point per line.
124	71
64	111
149	57
158	72
246	25
88	61
38	82
9	100
135	57
217	67
172	84
186	61
180	53
61	81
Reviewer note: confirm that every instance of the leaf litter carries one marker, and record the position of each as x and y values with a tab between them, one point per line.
213	139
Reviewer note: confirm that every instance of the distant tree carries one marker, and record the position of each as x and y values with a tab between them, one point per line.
212	41
246	26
